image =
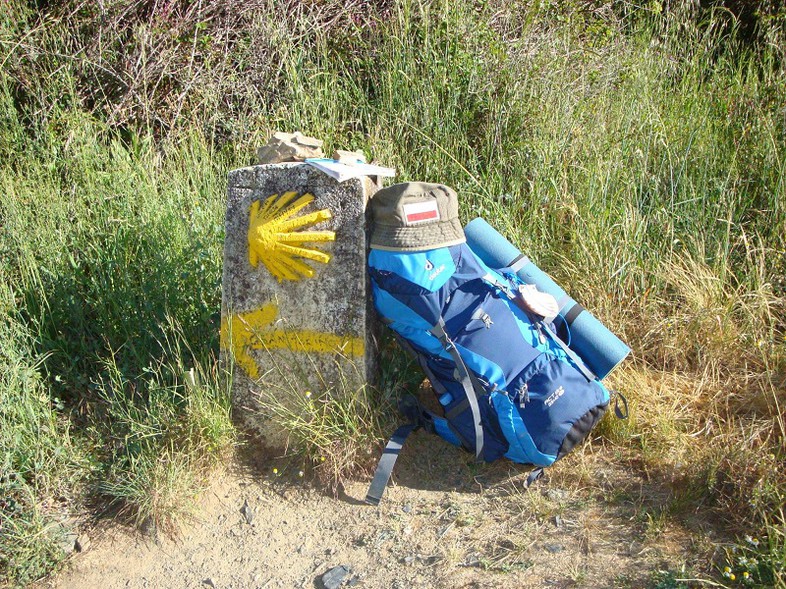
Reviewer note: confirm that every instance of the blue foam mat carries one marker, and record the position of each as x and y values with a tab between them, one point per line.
590	339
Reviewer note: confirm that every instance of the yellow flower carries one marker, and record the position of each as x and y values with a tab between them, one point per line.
745	575
275	471
732	577
726	570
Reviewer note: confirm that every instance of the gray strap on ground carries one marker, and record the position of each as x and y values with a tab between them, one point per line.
620	413
387	462
534	476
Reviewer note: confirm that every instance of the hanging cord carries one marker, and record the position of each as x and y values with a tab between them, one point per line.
567	328
620	413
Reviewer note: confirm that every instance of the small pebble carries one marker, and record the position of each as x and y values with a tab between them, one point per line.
556	494
472	560
69	543
82	543
247	512
334	578
149	527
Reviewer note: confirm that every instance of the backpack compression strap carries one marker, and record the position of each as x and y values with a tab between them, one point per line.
440	389
391	451
466	382
588	374
386	463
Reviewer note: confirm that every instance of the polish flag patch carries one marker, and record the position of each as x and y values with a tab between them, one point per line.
421	212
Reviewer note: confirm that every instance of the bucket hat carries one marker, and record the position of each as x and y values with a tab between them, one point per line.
414	216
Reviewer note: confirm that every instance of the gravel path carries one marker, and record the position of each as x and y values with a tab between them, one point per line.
447	523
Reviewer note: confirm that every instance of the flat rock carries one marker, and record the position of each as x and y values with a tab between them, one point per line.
82	543
335	577
68	543
247	512
289	147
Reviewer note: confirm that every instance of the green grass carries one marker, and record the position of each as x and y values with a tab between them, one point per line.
638	154
111	275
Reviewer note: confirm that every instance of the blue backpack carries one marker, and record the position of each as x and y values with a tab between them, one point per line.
508	386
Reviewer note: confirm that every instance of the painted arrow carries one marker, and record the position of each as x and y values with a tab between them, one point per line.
252	331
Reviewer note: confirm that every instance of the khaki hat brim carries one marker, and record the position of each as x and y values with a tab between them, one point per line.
419	237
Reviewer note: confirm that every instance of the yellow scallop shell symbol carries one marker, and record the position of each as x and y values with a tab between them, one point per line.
275	239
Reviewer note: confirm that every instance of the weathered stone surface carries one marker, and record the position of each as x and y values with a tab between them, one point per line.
289	147
293	320
349	157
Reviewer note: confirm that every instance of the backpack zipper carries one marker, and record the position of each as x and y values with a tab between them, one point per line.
523	395
541	336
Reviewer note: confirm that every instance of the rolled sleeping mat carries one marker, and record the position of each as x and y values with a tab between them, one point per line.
600	349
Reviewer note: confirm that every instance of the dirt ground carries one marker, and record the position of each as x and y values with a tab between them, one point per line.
444	523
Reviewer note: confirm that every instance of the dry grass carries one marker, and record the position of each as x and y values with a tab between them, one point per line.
705	404
334	432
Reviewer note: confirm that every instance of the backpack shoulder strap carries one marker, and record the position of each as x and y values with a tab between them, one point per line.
466	382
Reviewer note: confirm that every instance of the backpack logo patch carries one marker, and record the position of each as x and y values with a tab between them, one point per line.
553	397
429	266
436	272
421	212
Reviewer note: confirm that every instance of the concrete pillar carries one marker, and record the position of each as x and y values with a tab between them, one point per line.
296	311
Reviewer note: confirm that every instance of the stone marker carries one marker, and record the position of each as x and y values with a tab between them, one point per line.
296	310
